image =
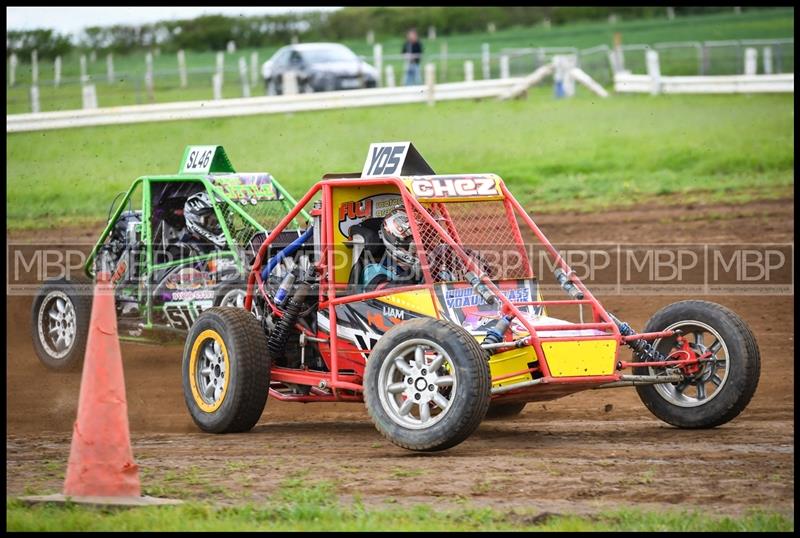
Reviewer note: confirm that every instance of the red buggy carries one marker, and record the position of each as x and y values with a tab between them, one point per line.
416	294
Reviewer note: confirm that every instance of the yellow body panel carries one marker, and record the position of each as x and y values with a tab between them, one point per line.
417	301
349	204
511	361
579	358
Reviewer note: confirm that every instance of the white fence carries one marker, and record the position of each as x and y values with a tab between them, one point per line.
628	83
258	105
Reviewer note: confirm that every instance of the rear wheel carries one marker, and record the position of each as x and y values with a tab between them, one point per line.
226	370
722	386
427	384
504	410
60	323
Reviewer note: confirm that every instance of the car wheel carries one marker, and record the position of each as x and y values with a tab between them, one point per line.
723	385
226	370
271	87
60	323
427	384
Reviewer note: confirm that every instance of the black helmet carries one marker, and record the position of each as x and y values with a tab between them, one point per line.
202	220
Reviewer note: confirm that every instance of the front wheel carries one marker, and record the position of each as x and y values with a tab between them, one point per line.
427	384
226	370
60	323
720	387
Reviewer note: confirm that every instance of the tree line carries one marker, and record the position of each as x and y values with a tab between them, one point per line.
213	32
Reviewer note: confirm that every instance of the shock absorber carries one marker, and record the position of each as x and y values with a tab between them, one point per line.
283	328
642	348
496	334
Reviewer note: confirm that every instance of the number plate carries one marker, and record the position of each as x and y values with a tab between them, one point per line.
198	159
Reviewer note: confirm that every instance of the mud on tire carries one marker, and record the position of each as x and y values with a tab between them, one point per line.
60	319
226	370
735	382
418	401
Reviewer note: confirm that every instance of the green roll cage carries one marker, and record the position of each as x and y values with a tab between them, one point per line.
219	165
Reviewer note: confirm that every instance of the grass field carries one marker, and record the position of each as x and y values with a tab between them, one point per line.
129	89
582	154
302	507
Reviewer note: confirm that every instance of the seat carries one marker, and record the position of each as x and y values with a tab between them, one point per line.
367	248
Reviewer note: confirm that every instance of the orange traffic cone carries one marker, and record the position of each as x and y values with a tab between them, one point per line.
101	469
100	458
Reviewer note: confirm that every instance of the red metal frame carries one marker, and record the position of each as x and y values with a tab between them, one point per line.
338	382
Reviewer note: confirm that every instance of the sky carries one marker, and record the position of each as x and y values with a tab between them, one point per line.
73	19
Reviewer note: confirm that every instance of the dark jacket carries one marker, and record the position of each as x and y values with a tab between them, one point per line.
413	48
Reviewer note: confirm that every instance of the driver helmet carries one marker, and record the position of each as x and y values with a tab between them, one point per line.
398	238
201	219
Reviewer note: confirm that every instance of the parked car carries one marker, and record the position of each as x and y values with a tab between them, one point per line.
320	67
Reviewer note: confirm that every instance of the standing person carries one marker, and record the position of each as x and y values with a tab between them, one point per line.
412	50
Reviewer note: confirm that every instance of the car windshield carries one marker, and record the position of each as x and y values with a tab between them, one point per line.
329	54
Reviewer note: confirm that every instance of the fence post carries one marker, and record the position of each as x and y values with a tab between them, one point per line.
84	74
750	61
149	83
243	77
705	59
12	69
430	82
57	72
35	67
35	99
389	77
231	47
564	83
469	71
182	75
377	57
221	65
654	71
253	68
216	83
767	60
504	66
89	96
110	68
290	83
370	37
485	59
431	33
443	60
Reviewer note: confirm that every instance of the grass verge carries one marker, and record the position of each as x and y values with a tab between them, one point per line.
585	153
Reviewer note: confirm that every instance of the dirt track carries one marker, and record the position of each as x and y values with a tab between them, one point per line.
579	454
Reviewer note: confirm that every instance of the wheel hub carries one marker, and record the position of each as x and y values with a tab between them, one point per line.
416	384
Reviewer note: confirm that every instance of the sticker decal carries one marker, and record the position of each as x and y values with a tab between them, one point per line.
357	211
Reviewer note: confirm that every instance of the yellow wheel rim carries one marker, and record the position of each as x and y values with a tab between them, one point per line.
209	370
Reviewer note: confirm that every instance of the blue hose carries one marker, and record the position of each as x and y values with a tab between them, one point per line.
287	251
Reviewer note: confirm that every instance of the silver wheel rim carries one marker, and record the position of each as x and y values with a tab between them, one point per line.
706	384
210	372
233	298
56	324
417	384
